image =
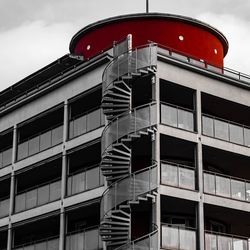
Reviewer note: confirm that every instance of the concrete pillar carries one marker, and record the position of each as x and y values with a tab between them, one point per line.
62	229
9	240
66	121
200	207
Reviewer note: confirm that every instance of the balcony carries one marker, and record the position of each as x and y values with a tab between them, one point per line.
5	157
48	244
226	242
40	142
176	116
177	175
225	130
178	238
87	239
226	186
84	180
86	122
38	196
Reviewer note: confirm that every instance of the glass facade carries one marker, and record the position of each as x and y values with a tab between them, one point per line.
86	122
226	186
177	238
38	196
177	175
225	130
177	117
40	142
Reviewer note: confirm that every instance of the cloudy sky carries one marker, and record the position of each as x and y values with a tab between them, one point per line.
34	33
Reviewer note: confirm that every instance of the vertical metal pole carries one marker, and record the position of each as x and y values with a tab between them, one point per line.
147	6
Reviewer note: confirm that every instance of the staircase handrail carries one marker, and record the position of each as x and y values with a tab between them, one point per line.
126	114
130	176
131	55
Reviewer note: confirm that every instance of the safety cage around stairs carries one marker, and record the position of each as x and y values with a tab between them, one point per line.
127	189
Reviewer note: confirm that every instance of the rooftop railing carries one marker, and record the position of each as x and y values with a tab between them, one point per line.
226	186
226	130
215	241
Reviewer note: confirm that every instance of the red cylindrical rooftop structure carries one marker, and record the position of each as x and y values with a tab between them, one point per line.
183	34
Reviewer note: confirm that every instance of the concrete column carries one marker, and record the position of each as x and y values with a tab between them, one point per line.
66	121
62	229
9	240
200	207
14	145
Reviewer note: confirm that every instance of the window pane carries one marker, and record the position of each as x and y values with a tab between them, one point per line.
34	145
207	126
71	129
91	237
1	160
69	185
185	120
247	137
22	150
55	191
45	140
170	238
169	115
31	199
209	183
187	240
187	178
248	191
238	190
92	179
78	183
20	202
57	135
210	242
7	157
169	174
221	130
236	134
93	120
4	207
53	244
224	243
80	126
239	244
43	195
41	246
222	186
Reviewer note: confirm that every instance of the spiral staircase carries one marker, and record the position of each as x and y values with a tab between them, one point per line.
126	188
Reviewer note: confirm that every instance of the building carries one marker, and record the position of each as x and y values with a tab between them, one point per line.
172	140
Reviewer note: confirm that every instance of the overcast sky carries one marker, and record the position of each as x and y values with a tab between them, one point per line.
34	33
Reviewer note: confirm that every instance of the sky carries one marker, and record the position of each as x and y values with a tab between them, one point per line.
34	33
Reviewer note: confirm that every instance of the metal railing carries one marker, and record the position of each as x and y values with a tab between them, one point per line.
226	186
177	237
51	243
177	175
146	242
86	122
215	241
85	239
84	180
176	116
40	142
5	157
37	196
129	188
131	122
130	62
190	59
225	130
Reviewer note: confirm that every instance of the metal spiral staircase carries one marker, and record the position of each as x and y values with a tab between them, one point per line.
125	125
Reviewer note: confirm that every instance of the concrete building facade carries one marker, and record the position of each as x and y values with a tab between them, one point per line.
137	139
